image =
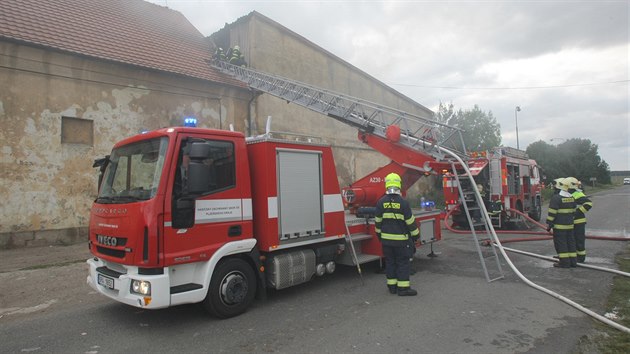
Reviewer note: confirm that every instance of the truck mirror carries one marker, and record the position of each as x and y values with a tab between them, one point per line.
102	165
199	150
198	178
184	213
185	203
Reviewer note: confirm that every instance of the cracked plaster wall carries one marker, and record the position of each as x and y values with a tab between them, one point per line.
47	187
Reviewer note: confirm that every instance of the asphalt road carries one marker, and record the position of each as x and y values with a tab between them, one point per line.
52	310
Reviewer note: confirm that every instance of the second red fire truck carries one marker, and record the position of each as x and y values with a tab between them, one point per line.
507	179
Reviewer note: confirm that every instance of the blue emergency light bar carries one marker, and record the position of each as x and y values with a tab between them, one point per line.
427	205
190	122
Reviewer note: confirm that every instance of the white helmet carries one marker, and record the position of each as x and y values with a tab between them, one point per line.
557	183
563	184
571	182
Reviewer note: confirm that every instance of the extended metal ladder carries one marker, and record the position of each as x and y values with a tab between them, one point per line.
417	132
477	216
428	136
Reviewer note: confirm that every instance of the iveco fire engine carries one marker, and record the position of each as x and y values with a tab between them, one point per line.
188	215
507	180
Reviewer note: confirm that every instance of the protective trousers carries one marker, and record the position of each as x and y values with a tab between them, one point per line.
397	266
579	233
564	243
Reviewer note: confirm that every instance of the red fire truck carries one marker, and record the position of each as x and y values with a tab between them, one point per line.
507	179
188	215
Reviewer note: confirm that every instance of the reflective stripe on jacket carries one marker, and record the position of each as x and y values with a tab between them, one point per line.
583	205
561	211
394	220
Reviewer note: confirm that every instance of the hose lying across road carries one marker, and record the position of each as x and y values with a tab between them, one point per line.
497	243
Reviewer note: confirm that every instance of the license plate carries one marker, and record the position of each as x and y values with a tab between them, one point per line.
105	281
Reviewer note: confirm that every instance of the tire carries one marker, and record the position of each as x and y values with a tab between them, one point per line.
536	212
232	289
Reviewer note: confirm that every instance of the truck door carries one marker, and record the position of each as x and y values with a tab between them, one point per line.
210	202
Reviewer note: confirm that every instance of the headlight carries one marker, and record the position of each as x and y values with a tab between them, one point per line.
141	287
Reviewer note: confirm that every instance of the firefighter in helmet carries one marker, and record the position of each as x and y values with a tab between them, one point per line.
583	204
219	54
556	185
236	58
395	224
560	218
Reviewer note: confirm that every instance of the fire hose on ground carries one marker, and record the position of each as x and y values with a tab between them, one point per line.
552	259
542	238
497	243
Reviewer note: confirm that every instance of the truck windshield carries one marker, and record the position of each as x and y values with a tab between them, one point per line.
133	172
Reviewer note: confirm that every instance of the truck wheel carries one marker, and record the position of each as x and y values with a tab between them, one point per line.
536	212
231	290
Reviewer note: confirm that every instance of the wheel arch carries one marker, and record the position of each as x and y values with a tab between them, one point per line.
245	250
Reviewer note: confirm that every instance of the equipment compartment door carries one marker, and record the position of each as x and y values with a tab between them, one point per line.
495	177
300	194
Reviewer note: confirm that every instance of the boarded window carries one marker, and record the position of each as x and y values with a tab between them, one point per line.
77	131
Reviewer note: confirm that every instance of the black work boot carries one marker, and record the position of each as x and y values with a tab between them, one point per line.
392	289
407	291
563	263
581	259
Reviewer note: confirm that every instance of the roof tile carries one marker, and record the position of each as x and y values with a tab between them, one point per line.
126	31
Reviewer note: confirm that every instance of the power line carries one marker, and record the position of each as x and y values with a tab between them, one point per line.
514	88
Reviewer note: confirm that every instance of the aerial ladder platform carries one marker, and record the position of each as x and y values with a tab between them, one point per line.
439	142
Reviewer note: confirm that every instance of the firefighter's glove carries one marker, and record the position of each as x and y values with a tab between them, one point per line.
549	227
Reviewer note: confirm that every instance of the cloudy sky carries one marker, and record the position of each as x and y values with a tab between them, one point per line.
565	63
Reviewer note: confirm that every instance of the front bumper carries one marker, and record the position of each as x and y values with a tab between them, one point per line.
121	284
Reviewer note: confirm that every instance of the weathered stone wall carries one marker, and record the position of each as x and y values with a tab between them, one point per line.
47	186
272	48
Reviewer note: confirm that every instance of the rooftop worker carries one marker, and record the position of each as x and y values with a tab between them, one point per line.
395	224
560	219
219	54
579	222
237	58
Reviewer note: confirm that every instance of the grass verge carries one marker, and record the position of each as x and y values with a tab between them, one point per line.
610	340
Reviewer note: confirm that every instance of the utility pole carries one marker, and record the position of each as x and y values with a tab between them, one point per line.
516	110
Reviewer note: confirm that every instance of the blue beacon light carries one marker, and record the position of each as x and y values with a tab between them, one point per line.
190	122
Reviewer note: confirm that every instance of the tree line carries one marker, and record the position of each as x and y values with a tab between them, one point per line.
574	157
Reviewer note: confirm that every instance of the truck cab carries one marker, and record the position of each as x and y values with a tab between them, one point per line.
169	201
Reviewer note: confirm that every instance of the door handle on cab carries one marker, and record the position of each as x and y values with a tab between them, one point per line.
235	230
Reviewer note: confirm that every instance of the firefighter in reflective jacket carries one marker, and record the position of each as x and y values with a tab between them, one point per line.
236	58
579	223
560	218
394	225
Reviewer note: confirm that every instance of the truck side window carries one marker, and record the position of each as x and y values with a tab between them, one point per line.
217	163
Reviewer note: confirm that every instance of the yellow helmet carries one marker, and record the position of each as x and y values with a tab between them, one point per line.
393	180
571	182
564	184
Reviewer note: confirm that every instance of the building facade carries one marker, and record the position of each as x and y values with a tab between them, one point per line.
78	76
272	48
69	90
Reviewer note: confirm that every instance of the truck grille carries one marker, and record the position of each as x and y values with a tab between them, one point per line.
111	252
